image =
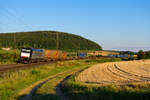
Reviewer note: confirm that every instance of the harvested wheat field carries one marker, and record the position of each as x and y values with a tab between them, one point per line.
117	72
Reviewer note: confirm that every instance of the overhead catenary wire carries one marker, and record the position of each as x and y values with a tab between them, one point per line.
57	41
10	14
17	18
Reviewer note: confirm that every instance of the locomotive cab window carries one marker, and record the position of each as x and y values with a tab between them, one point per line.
25	53
26	50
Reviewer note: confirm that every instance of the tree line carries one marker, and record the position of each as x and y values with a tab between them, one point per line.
143	55
47	40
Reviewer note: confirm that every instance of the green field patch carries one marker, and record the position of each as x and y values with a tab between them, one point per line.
12	82
9	57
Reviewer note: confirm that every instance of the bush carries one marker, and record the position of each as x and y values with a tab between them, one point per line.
35	72
8	56
103	60
148	54
143	55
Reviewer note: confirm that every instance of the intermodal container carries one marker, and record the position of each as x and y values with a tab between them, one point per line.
59	55
47	54
82	54
52	54
64	55
37	54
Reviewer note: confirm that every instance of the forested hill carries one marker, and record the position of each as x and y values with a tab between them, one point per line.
47	40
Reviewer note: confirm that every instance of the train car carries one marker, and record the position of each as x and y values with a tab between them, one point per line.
64	55
28	55
51	55
81	54
47	54
37	55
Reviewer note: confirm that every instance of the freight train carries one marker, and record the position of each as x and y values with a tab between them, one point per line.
29	55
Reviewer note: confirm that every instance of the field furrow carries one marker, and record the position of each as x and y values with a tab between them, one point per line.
117	72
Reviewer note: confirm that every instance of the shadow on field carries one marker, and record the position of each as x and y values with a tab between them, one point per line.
103	95
107	95
40	97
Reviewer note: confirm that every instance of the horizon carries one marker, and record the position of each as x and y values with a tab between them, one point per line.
132	49
114	25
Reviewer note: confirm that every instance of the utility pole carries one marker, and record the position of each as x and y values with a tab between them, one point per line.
14	45
57	41
14	41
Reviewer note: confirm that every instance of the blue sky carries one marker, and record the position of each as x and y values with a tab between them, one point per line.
114	24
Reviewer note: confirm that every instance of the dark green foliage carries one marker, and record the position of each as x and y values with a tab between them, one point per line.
111	92
103	60
0	47
34	72
127	52
8	56
141	54
47	40
148	54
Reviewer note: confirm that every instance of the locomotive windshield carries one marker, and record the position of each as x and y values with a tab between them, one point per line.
25	53
26	50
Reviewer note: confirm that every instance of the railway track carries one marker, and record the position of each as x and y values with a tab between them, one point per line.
8	67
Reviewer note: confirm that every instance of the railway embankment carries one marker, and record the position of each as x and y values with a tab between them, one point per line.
15	81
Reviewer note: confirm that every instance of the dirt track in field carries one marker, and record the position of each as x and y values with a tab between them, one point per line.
117	72
28	93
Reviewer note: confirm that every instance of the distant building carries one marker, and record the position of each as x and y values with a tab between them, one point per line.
103	53
6	49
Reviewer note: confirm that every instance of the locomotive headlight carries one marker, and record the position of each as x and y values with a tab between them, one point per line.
25	55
